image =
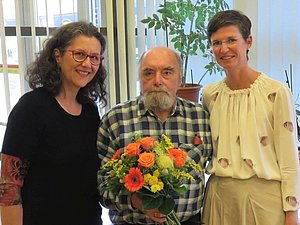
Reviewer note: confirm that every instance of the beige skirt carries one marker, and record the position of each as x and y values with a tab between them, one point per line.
253	201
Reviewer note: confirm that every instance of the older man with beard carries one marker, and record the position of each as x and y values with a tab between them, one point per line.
155	112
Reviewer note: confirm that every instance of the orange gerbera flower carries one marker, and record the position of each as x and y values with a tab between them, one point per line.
146	159
134	180
132	149
117	154
178	156
147	143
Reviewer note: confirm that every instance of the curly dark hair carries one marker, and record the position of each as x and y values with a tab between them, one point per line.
45	72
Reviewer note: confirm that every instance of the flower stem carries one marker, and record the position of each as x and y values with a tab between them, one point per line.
172	219
173	214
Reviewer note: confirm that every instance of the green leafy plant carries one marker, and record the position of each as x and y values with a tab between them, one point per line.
185	22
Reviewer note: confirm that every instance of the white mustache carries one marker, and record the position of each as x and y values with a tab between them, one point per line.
154	90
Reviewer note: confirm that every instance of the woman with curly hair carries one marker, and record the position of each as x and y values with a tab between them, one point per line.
49	157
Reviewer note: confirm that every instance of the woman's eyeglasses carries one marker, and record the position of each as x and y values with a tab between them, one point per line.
228	42
81	56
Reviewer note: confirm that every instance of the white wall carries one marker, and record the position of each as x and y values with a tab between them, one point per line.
276	34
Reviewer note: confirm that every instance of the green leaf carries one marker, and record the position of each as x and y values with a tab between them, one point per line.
167	206
163	11
155	17
175	39
178	46
146	192
172	32
195	48
149	202
158	25
151	24
181	190
147	20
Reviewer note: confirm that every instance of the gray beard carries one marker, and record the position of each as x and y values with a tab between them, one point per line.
158	99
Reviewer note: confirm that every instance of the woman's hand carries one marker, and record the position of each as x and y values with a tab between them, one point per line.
11	215
291	218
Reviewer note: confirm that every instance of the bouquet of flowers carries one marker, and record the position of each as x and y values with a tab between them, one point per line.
154	169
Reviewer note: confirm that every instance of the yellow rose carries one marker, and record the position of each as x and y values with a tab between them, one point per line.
153	180
147	177
160	184
156	173
155	188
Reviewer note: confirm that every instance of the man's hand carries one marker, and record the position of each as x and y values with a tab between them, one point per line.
154	214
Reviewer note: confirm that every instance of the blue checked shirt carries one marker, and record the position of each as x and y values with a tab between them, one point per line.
116	131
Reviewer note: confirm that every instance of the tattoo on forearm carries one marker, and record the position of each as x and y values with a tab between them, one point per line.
13	171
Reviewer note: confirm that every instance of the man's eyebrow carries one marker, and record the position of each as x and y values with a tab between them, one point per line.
147	69
169	68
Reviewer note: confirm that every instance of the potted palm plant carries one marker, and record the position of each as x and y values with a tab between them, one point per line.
185	24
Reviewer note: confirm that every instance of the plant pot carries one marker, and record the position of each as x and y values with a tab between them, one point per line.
189	92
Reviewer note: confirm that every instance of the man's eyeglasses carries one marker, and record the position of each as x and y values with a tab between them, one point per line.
228	42
81	56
